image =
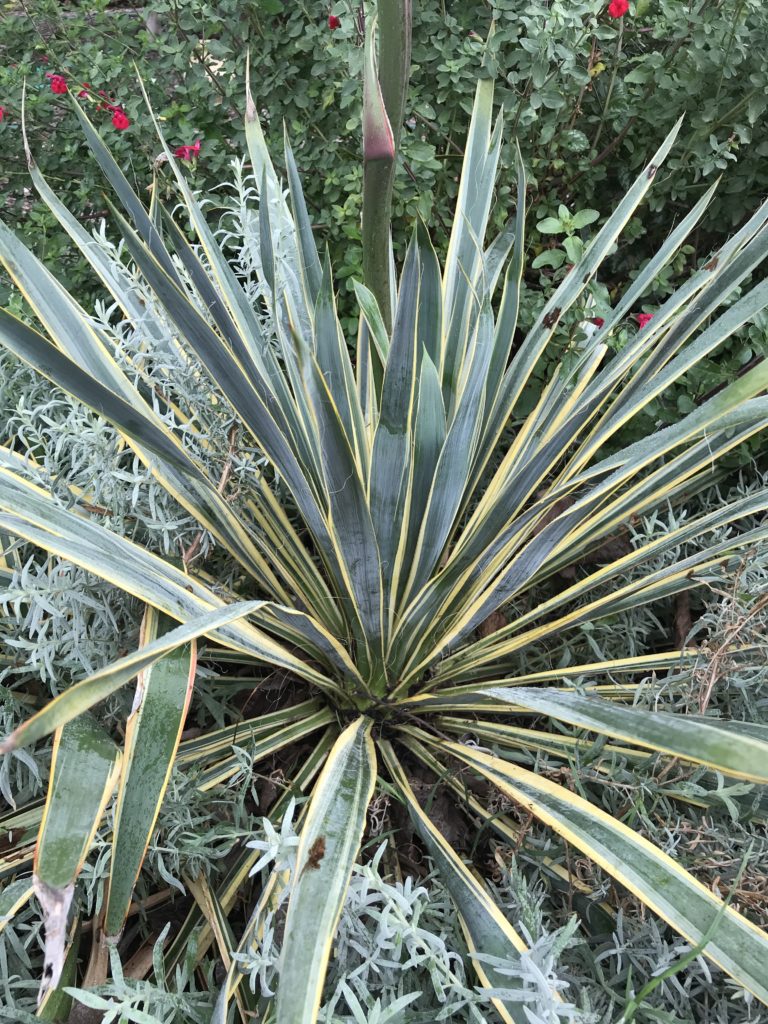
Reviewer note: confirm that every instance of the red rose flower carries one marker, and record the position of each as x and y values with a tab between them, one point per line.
59	84
2	113
188	152
333	22
643	319
618	8
120	121
598	321
84	91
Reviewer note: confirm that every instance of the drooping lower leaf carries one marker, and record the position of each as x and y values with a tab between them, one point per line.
79	698
738	946
83	774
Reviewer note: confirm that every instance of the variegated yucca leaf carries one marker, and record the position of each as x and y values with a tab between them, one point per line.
402	499
331	834
152	734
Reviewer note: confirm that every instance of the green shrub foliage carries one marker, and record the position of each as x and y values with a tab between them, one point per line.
587	94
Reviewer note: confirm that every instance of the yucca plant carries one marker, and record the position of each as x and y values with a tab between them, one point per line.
403	500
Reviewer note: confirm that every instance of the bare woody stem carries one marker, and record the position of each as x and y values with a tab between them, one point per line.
395	60
384	92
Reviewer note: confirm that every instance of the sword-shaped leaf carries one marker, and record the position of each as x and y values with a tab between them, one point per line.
703	741
350	522
261	747
391	455
27	511
577	279
330	841
246	860
153	731
310	260
82	696
465	249
158	448
335	365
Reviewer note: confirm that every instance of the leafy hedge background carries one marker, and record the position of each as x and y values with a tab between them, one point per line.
588	98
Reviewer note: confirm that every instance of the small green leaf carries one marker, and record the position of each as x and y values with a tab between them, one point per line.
583	217
550	226
574	248
637	76
549	258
